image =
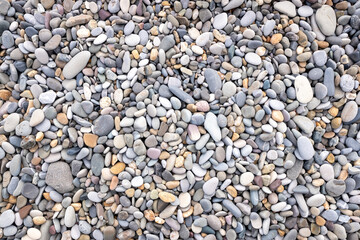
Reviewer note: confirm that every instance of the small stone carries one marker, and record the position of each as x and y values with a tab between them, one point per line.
286	7
167	197
34	233
37	117
30	191
212	126
316	200
347	83
335	187
326	20
210	186
7	218
220	21
327	172
229	89
246	178
304	92
103	125
213	79
349	111
305	148
137	181
253	58
11	122
59	177
76	64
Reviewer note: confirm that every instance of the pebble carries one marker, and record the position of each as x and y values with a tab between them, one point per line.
349	112
305	148
253	58
210	186
326	20
304	92
212	127
286	7
7	218
220	21
213	79
76	64
59	177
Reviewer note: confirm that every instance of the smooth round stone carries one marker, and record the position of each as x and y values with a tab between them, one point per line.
278	206
30	191
97	163
7	218
286	7
220	21
248	19
7	39
305	148
210	186
203	39
304	92
305	11
349	111
229	89
37	117
320	91
59	177
335	187
253	58
119	141
327	172
320	57
214	222
34	233
137	181
213	79
316	200
42	55
114	6
347	83
11	122
212	127
269	27
70	218
10	231
246	178
330	215
256	221
76	64
326	20
84	227
153	153
103	125
304	123
129	28
100	39
185	199
233	4
45	35
132	40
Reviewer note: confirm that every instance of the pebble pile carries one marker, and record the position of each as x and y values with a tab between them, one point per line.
179	119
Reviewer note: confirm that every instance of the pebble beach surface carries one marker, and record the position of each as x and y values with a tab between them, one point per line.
152	120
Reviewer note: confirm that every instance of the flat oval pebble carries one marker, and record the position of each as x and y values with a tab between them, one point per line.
304	92
253	58
326	20
350	111
76	64
305	148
